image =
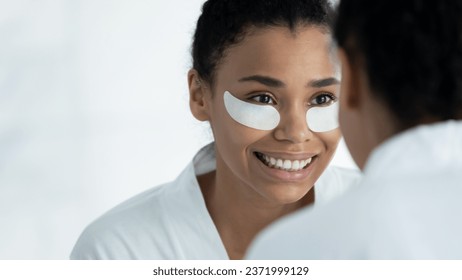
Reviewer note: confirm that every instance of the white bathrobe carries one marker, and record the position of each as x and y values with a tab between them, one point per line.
408	206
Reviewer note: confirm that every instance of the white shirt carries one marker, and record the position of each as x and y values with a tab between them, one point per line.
408	206
171	221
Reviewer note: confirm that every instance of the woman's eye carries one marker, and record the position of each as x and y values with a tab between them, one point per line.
263	98
323	99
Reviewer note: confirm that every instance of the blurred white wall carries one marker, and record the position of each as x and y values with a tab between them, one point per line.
93	109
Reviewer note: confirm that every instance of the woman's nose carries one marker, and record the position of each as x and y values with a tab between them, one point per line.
293	127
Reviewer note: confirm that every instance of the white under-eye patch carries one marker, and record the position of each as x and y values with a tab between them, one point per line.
262	117
323	119
266	117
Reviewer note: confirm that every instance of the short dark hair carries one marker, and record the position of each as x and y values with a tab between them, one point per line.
224	23
412	52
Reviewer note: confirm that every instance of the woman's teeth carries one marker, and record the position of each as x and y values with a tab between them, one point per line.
283	164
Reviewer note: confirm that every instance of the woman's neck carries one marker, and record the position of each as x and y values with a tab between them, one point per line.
239	213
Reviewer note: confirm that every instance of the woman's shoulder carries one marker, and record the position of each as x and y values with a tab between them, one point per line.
112	235
151	218
147	216
149	202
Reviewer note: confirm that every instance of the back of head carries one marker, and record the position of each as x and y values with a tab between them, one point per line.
412	53
224	23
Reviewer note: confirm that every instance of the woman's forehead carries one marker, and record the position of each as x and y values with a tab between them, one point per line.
279	52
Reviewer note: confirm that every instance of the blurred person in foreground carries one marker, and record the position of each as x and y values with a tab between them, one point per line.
400	114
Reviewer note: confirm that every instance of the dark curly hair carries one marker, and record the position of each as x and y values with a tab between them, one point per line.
224	23
412	51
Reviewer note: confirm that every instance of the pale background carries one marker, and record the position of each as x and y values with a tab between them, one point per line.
93	109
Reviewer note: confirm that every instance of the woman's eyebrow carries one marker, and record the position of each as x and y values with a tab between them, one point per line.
265	80
323	82
272	82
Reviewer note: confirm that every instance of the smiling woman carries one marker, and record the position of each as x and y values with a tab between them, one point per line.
266	80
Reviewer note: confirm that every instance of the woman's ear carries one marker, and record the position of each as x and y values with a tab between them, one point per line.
197	96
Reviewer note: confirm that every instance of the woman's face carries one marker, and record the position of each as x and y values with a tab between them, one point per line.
293	72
